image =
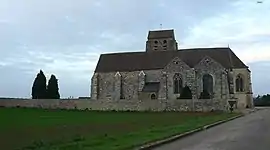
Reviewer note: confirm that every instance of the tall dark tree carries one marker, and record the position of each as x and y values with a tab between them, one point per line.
42	85
34	88
39	86
52	88
186	93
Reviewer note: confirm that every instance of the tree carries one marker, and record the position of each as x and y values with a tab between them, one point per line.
34	88
186	93
39	86
262	100
52	88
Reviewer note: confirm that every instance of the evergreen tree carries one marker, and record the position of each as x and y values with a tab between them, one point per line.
39	86
186	93
42	86
262	100
34	88
52	88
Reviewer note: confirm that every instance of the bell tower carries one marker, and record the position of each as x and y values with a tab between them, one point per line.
161	40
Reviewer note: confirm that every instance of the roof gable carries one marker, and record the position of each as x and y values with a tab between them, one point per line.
206	61
176	64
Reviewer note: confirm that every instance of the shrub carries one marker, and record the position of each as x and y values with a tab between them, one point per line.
186	93
205	95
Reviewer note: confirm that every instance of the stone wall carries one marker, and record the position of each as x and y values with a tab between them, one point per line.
211	67
113	85
121	105
245	97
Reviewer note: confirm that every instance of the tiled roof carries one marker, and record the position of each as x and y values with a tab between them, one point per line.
151	87
137	61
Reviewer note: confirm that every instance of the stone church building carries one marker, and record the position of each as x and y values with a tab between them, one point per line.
162	70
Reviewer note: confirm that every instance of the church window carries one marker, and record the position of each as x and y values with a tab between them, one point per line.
207	60
177	81
121	90
153	96
208	83
239	83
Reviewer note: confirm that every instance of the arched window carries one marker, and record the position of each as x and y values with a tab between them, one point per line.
177	83
239	83
208	83
153	96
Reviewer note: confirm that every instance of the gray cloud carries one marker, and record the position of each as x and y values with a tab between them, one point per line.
65	38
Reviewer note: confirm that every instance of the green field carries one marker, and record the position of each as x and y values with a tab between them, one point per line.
23	128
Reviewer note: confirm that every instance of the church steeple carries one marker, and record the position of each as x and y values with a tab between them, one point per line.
161	40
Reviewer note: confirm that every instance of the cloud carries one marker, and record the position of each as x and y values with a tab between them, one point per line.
244	28
260	76
67	39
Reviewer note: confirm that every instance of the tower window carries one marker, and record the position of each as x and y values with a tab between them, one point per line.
156	42
165	41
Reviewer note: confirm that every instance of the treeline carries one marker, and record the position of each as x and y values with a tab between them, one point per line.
262	100
40	89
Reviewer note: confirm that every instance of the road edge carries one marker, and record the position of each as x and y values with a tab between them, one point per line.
182	135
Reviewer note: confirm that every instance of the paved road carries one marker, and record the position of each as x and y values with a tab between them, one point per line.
251	132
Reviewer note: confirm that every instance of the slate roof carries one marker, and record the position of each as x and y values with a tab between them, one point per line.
151	87
137	61
160	34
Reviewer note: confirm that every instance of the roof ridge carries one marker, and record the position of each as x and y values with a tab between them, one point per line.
205	48
157	30
117	53
184	49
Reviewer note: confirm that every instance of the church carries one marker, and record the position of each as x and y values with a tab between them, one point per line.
162	70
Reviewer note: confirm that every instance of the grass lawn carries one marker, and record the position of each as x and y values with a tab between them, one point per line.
26	128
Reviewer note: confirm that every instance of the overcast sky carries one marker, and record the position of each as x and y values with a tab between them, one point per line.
66	37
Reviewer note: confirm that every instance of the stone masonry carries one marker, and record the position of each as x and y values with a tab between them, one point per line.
118	105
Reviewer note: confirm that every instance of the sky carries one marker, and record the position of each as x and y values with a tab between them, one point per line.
66	37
